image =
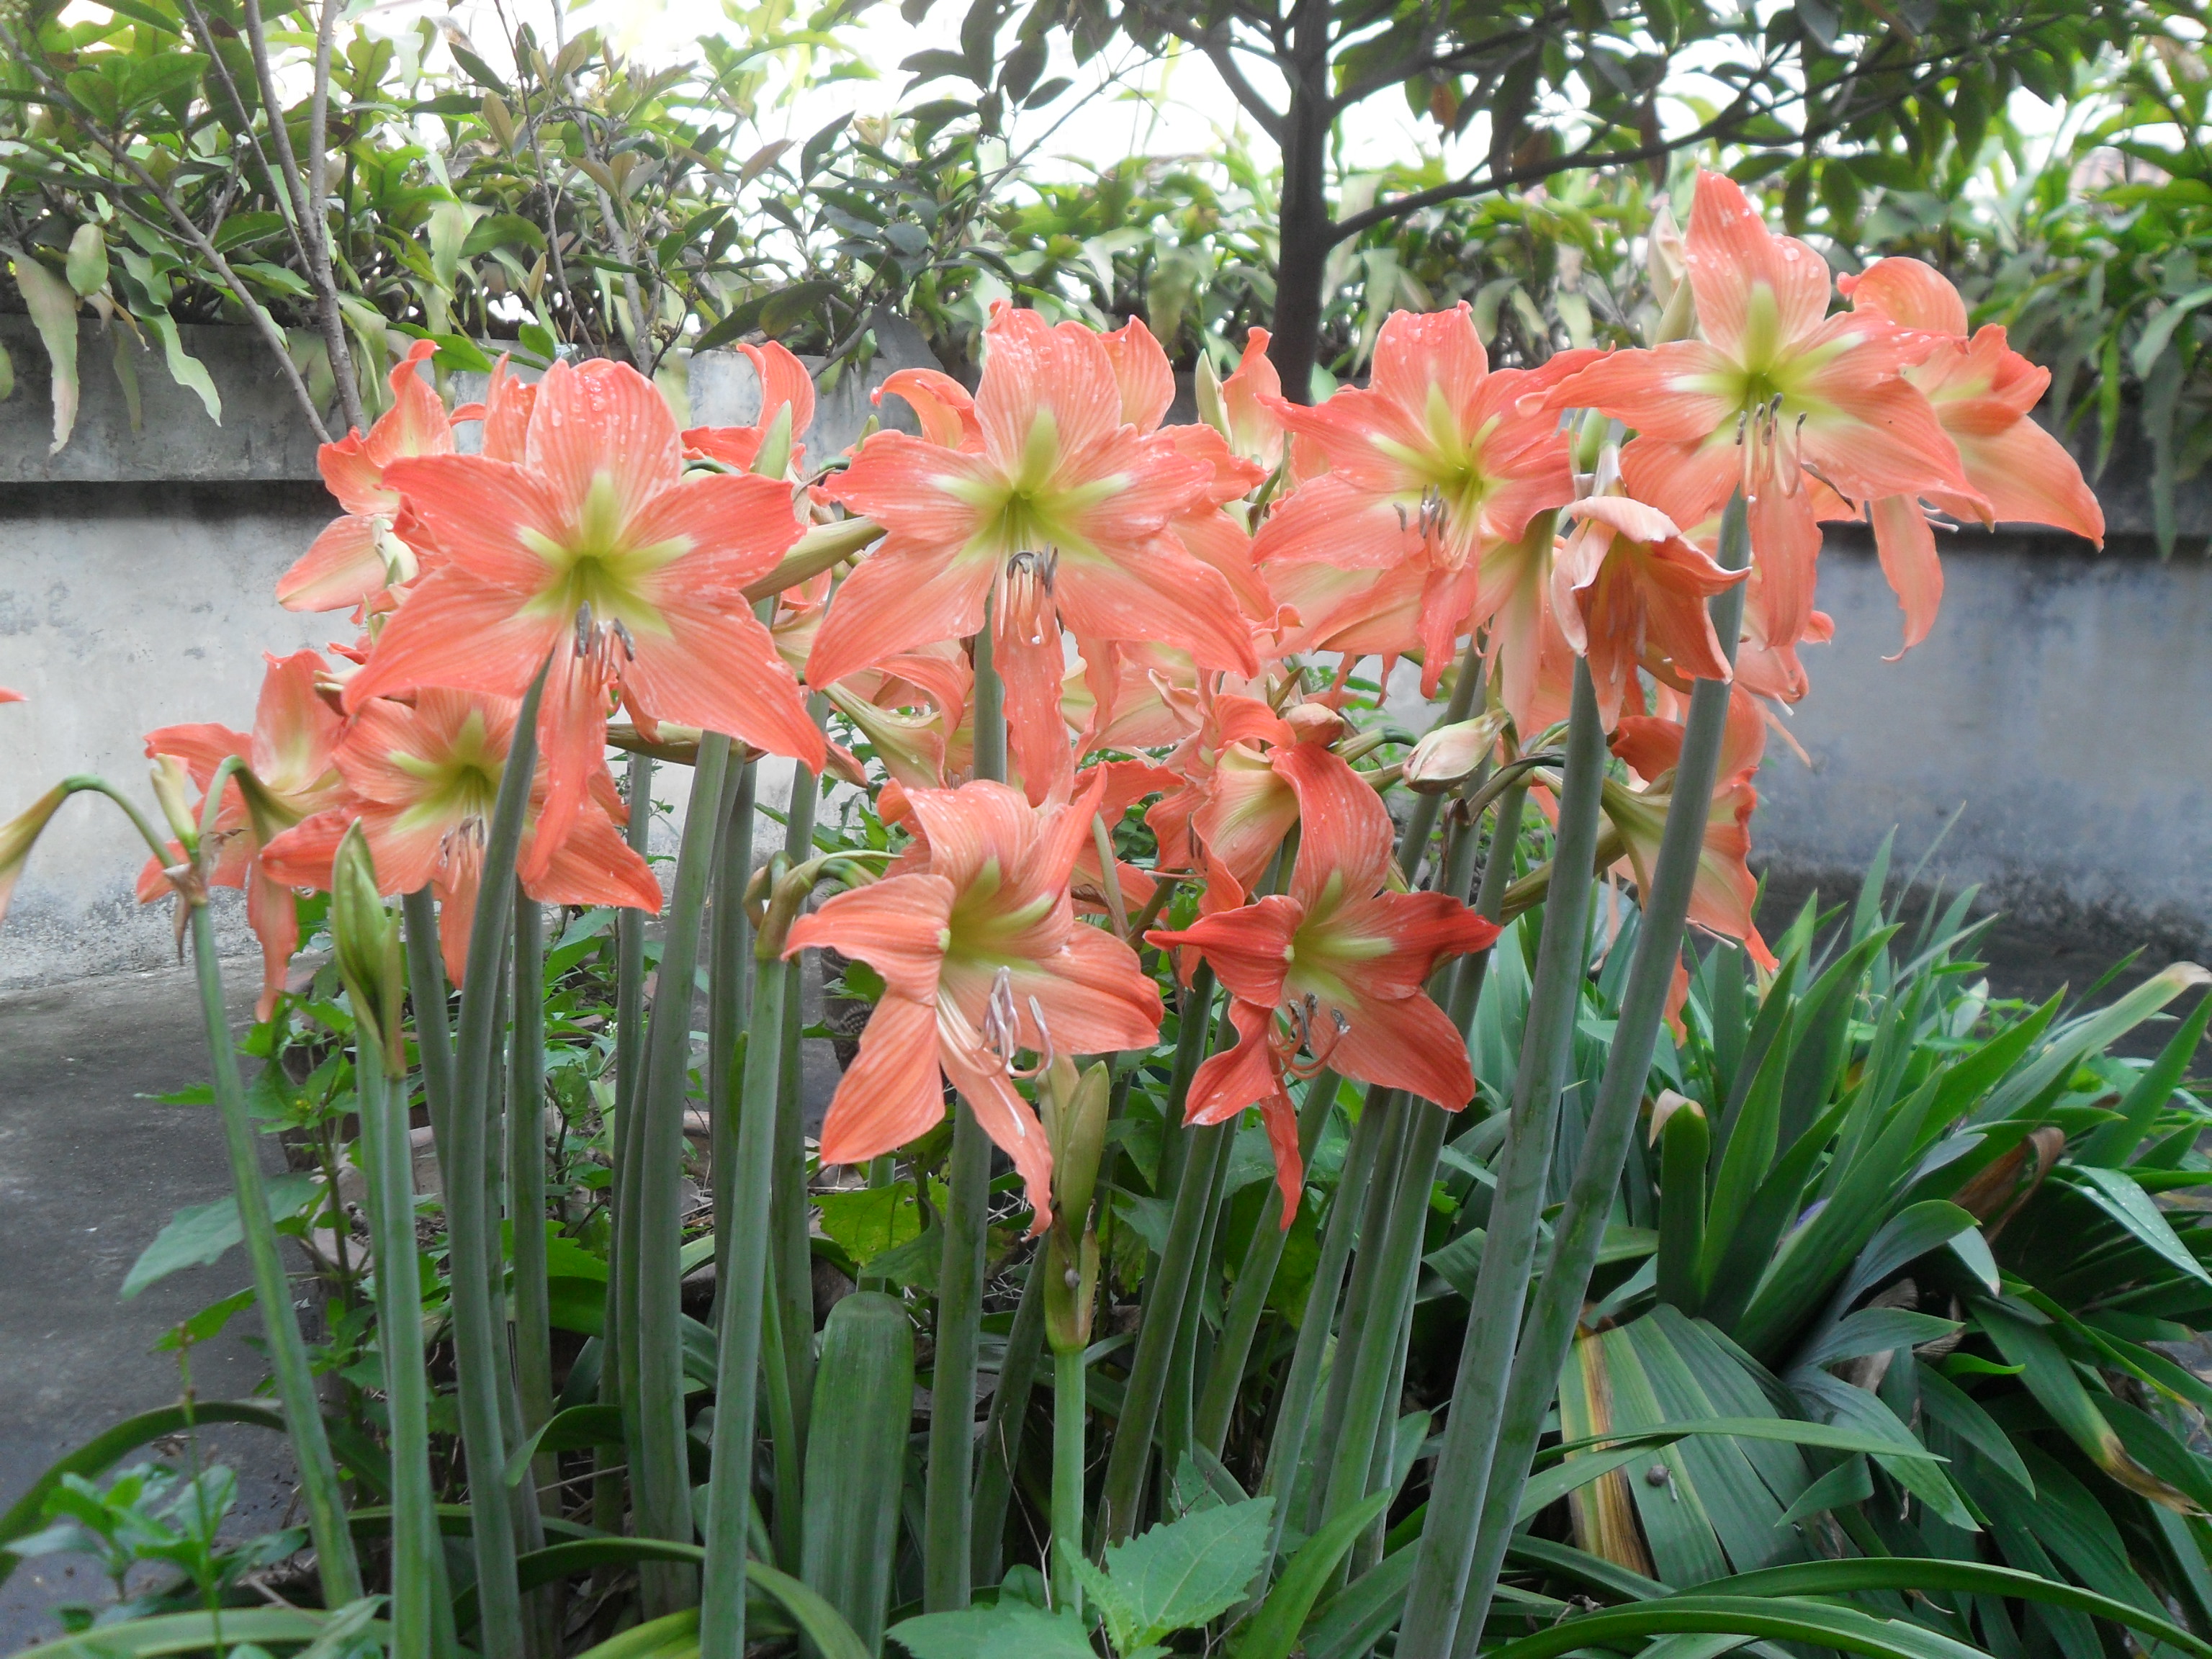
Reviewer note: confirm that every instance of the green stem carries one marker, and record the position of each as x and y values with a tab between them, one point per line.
1206	1158
948	1514
479	1327
791	1210
526	1171
661	1467
1294	1412
1522	1168
1398	1263
1177	1407
729	997
1002	1429
618	1363
427	990
272	1288
417	1554
948	1494
738	1345
1359	1294
1612	1129
1255	1277
1070	1379
790	1522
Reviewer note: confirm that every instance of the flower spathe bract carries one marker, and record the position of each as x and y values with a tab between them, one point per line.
983	959
595	551
1335	967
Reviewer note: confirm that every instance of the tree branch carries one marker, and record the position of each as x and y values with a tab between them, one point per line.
319	239
1744	107
1222	55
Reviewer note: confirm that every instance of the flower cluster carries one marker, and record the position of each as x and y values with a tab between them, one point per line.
1149	598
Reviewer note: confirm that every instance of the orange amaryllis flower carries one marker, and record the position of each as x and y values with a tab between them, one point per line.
1628	590
6	696
360	554
1430	464
943	408
981	958
290	754
1982	392
1723	892
1778	398
596	551
1335	967
784	383
424	780
1235	804
1061	510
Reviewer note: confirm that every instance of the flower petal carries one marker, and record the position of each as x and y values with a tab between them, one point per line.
892	1092
896	925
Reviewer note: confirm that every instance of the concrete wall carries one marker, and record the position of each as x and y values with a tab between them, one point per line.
2062	707
136	575
2061	701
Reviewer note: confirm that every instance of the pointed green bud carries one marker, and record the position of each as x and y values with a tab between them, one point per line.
1211	409
365	933
19	833
773	458
1449	755
172	788
1075	1124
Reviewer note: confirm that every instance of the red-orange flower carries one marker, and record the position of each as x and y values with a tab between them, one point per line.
1778	399
982	958
598	551
1428	465
1628	590
289	753
1335	967
358	555
1061	508
424	780
1982	391
784	383
1723	893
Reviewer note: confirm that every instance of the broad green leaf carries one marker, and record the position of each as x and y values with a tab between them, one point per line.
86	266
855	1459
1946	1403
1179	1574
1011	1630
866	1223
1274	1631
52	305
1850	1482
192	1632
2115	1193
1784	1621
675	1636
1974	1577
2058	1389
199	1233
187	370
1875	1330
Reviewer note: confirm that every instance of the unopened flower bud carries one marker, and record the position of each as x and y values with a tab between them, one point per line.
1449	755
19	833
1075	1123
1211	409
173	788
773	458
365	937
